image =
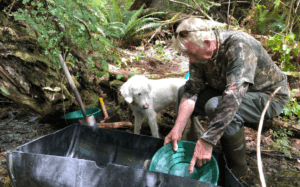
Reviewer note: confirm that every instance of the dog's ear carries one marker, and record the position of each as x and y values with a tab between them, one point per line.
150	89
126	93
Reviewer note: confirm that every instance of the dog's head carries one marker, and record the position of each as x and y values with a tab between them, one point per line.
138	90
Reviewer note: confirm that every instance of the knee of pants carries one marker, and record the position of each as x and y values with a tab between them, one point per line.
210	107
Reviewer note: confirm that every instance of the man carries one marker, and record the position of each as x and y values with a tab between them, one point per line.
231	79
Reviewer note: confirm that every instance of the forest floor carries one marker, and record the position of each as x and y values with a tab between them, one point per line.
19	126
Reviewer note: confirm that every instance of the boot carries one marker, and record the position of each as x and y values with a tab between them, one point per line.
234	148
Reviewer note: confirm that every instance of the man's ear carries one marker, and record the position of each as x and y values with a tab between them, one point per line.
126	93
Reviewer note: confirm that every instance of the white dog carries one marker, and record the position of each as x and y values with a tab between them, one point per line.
146	97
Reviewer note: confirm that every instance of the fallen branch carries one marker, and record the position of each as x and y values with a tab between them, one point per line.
277	123
87	28
115	125
293	74
167	22
224	3
259	162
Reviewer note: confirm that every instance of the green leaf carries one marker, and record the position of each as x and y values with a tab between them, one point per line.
291	37
287	111
277	3
119	76
105	65
25	1
130	75
296	51
138	58
107	74
100	74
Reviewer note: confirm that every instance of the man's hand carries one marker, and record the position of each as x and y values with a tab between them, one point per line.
202	154
174	136
186	108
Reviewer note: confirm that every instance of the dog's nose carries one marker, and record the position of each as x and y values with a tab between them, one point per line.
146	106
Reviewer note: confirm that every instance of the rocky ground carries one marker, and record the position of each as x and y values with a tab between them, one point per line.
18	125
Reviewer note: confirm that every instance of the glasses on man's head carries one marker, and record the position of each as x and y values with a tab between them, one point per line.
183	33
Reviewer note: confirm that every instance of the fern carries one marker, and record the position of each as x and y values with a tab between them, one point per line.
117	12
134	19
128	24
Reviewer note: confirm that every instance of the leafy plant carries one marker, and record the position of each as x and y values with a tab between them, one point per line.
126	25
158	49
138	58
66	27
273	15
292	108
281	142
284	45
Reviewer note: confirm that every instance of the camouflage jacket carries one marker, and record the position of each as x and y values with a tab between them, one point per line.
241	65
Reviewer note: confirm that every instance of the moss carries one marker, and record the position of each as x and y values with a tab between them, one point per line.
115	84
35	79
122	100
3	19
90	99
11	34
33	58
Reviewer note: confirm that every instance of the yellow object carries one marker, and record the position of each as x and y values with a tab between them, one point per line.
7	182
101	101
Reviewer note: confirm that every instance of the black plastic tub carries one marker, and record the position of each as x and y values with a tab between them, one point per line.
81	156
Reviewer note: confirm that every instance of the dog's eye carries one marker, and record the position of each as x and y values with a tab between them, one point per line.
139	94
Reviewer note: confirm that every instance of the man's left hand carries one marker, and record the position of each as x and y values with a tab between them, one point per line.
202	154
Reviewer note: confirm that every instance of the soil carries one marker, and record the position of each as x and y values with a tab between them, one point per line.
19	125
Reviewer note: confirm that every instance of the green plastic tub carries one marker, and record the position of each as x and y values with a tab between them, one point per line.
73	117
166	160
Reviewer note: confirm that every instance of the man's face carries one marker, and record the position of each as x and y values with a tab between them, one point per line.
202	55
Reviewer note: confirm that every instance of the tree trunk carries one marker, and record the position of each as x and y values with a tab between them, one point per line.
159	3
28	77
138	3
33	80
149	4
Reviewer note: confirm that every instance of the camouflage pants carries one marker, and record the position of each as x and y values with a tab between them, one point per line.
249	111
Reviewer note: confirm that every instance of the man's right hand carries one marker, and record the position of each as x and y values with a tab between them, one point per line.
174	136
186	108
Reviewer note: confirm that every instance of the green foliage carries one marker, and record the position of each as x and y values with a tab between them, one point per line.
130	75
273	15
125	25
292	108
158	49
284	45
266	20
57	22
138	58
281	142
119	76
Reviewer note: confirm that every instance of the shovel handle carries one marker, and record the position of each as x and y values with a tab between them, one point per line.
71	82
103	108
